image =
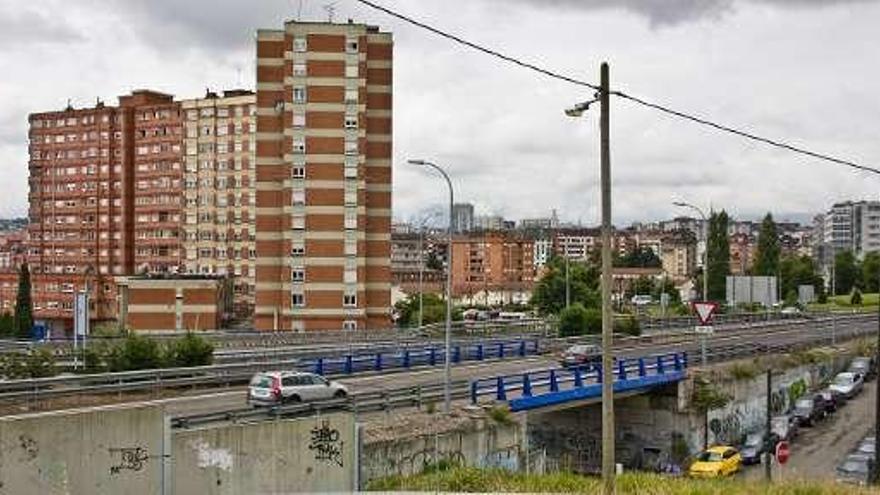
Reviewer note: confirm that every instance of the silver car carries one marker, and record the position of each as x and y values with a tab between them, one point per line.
273	388
848	384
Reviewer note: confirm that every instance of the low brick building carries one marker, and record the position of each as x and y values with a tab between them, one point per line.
182	303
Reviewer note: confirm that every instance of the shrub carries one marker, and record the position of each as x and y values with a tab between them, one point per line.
36	363
501	415
136	353
743	371
190	350
856	298
628	325
573	320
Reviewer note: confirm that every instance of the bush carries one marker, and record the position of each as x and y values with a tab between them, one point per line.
856	298
191	350
628	325
577	320
36	363
136	353
743	371
823	297
501	415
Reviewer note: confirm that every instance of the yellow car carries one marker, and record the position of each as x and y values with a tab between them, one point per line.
715	462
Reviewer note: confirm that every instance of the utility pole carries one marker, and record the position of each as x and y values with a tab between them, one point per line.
608	464
567	289
874	473
767	455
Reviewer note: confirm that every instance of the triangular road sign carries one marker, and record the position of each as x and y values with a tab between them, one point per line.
705	310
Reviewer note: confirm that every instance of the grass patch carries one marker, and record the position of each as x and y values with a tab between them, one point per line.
501	415
743	371
464	479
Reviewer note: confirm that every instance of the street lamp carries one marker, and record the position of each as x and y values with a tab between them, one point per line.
446	368
705	230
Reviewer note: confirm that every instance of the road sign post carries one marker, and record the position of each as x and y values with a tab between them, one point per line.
704	311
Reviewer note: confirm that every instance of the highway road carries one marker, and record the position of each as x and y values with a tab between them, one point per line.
721	346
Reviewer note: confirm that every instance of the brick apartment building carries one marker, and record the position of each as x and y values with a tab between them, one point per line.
219	200
494	262
323	158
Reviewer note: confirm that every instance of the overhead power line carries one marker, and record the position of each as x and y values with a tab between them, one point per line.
655	106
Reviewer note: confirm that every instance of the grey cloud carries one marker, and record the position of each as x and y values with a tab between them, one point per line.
673	12
30	27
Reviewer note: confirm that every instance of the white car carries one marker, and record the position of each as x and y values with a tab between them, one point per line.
279	387
847	384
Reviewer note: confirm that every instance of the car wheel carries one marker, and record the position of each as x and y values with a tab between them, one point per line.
340	394
293	399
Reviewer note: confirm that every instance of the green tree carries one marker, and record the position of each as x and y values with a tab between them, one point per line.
433	306
795	271
871	272
641	286
7	325
136	353
24	308
718	251
668	286
846	272
640	257
578	320
767	253
548	296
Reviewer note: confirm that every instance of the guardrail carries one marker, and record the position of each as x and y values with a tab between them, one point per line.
549	386
228	374
358	402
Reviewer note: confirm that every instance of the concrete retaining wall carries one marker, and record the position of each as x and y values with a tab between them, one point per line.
283	456
482	442
107	450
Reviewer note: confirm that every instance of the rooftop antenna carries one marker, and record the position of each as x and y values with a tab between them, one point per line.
331	9
299	11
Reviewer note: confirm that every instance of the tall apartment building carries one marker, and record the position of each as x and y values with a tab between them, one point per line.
323	177
850	225
496	262
219	223
462	217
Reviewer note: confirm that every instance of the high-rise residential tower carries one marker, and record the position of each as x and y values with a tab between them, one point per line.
323	177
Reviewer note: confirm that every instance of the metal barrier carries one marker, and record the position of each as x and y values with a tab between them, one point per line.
228	374
551	386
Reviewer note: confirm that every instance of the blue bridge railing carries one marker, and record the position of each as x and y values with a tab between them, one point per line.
552	386
409	357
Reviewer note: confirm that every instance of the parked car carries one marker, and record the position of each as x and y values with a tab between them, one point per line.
642	299
278	387
863	366
714	462
791	310
785	426
867	447
810	409
832	400
581	354
757	444
854	470
849	384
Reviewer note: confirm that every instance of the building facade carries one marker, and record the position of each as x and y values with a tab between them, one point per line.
462	217
323	177
496	262
219	196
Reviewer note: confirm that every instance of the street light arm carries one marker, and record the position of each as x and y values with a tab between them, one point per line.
693	207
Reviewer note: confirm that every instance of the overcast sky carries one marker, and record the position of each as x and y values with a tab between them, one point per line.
800	70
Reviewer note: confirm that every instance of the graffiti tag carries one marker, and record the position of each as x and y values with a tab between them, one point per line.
130	458
327	444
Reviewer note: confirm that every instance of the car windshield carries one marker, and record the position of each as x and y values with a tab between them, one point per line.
854	466
753	440
709	457
261	381
843	379
804	404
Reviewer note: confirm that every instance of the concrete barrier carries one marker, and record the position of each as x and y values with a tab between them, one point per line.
104	450
316	454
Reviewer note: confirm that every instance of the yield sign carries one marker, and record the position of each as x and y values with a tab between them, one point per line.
705	310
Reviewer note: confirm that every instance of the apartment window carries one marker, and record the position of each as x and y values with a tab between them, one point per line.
351	148
299	147
299	94
297	299
299	44
349	300
299	172
299	69
299	120
222	112
350	243
351	123
351	218
298	222
351	45
299	197
350	193
351	95
349	325
351	71
298	275
298	250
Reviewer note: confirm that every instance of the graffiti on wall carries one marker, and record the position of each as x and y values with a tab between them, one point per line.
128	459
327	444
